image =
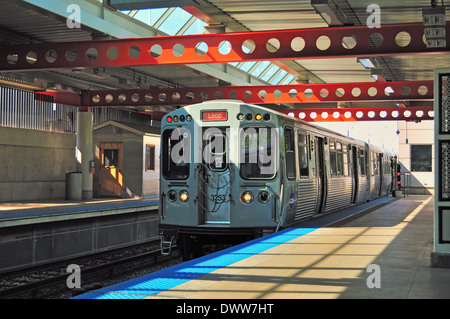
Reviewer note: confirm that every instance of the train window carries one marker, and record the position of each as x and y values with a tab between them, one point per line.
362	162
340	159
303	155
346	161
333	159
374	163
290	153
258	153
149	157
175	154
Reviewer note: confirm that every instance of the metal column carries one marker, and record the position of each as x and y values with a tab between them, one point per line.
85	151
440	257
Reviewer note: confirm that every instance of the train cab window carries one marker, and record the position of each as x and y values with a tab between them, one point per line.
258	156
217	148
175	154
290	153
303	155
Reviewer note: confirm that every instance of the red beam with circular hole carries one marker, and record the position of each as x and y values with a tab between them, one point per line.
362	114
266	94
350	41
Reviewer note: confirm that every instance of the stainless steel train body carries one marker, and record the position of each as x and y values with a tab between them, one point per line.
231	170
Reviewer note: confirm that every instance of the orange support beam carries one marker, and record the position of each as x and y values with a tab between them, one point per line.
349	41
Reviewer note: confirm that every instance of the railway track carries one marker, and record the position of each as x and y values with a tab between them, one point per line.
51	284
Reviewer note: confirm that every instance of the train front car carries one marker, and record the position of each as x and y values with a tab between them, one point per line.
220	181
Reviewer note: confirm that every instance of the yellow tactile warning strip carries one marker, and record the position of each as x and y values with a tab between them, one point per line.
376	256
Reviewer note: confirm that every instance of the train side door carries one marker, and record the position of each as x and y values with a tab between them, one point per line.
320	174
215	177
354	161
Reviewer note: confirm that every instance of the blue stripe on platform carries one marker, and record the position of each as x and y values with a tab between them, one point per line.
168	278
77	209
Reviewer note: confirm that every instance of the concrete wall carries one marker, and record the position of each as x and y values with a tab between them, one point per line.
132	158
33	164
417	134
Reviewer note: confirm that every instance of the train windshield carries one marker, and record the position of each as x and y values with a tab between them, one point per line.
175	153
258	152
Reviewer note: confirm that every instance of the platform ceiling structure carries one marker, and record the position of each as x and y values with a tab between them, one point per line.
402	75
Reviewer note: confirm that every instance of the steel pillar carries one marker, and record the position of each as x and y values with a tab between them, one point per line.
353	41
85	151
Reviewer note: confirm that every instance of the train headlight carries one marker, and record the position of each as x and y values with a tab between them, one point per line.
247	197
184	196
264	197
172	195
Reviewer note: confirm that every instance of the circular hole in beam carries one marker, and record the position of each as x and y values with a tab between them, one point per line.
134	52
31	57
156	51
323	43
248	46
298	44
273	45
91	54
178	50
12	58
201	48
349	41
403	39
72	54
224	47
376	40
51	56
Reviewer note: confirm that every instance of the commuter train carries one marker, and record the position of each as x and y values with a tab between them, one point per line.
231	171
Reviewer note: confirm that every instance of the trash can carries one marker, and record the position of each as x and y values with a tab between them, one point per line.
74	186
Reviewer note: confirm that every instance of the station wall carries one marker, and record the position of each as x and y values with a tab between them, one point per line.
416	154
34	163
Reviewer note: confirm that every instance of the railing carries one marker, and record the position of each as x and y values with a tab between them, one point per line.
23	109
406	183
27	110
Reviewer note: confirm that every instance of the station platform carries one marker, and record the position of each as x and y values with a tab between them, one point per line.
25	213
381	250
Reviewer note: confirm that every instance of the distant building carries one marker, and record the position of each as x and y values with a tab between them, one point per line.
416	155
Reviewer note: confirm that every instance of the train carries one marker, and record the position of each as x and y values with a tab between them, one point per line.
232	172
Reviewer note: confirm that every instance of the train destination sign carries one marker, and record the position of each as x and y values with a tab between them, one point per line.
208	116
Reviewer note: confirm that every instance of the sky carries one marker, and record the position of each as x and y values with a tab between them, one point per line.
378	133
